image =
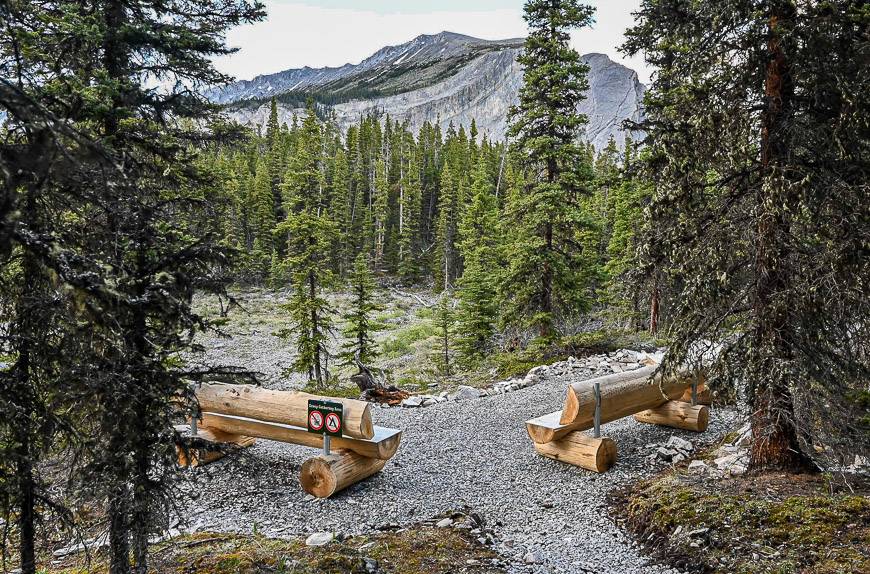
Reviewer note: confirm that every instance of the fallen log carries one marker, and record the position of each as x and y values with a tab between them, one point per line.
383	445
622	395
285	407
580	449
677	414
208	445
323	476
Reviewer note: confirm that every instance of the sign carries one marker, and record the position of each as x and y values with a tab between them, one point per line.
325	417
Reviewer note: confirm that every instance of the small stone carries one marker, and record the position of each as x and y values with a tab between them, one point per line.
444	523
681	444
665	453
678	458
473	562
698	466
319	539
371	564
533	557
860	461
430	402
412	402
465	392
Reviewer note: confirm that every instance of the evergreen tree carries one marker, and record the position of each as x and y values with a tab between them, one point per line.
477	288
360	324
409	239
265	218
309	232
544	276
759	218
445	317
445	260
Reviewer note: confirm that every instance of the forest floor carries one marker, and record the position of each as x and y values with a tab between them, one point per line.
466	492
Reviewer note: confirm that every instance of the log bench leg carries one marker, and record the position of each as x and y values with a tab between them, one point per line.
323	476
580	449
678	415
211	445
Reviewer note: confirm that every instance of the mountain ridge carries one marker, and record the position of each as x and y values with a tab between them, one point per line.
444	78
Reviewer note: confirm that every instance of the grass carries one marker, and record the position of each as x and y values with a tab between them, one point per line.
402	342
418	550
769	524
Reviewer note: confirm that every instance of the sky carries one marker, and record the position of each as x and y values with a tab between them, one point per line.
320	33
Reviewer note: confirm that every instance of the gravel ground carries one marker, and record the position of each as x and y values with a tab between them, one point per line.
473	453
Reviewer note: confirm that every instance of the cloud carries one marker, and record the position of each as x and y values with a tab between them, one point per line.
298	35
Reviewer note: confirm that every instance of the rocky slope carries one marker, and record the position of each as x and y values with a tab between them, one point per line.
442	78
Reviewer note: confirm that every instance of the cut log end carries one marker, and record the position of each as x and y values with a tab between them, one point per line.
677	414
323	476
580	449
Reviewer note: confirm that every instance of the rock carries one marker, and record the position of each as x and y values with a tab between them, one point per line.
371	564
320	539
665	453
412	402
444	523
678	458
465	393
680	444
698	466
430	402
616	368
860	461
534	557
723	462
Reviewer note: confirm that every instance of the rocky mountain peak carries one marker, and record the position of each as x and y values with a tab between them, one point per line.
443	78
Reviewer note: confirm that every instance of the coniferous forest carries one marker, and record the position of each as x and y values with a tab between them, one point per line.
732	225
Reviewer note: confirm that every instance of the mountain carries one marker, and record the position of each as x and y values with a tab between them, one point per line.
442	78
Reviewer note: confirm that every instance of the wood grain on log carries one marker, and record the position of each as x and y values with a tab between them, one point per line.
580	449
323	476
382	445
285	407
622	395
677	414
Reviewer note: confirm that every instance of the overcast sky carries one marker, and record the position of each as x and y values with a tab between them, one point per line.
321	33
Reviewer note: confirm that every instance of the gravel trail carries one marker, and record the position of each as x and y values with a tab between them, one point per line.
473	453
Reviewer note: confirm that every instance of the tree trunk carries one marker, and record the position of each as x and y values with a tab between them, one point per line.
312	293
654	308
26	500
775	437
119	531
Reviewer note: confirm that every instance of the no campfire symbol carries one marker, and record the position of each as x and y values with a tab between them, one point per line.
325	417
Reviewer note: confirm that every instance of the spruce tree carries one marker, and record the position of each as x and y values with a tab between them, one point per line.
759	218
545	277
309	232
445	259
478	313
359	322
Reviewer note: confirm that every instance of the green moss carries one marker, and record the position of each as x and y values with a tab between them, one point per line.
421	550
808	533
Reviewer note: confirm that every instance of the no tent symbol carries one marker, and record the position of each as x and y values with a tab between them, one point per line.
325	417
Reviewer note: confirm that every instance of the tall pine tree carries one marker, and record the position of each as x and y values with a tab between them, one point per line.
545	277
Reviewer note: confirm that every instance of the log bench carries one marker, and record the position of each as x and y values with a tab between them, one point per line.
649	397
234	416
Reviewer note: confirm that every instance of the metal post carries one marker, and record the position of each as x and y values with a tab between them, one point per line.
326	444
597	420
194	424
